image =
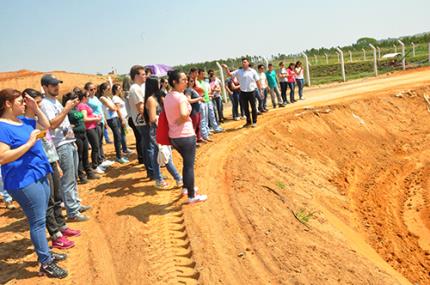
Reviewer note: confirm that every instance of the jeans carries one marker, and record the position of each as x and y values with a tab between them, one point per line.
235	104
106	135
115	126
33	200
6	197
261	98
291	85
139	146
284	86
187	149
94	140
69	187
204	114
54	218
300	85
154	155
196	118
82	144
123	138
248	98
212	118
146	149
274	90
217	101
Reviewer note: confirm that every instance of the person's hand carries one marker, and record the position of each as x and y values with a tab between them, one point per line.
71	104
31	103
33	137
123	123
99	118
224	66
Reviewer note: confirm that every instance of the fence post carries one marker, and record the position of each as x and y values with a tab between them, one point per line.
326	56
413	49
364	54
375	61
308	76
266	62
221	72
395	48
403	54
350	56
379	52
342	63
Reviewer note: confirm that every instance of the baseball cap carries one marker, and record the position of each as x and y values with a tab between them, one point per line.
49	79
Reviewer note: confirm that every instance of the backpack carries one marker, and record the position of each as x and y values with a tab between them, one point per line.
162	133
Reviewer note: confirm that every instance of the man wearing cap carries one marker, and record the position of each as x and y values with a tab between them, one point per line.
64	140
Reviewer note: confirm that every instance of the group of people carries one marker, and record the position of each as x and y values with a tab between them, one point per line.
48	147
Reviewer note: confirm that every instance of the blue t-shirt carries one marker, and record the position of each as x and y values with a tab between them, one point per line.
30	167
97	106
271	78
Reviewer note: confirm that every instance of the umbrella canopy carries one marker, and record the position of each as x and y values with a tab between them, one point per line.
159	69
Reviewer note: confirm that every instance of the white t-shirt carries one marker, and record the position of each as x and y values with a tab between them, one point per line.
247	79
109	114
263	80
136	95
118	101
299	73
283	71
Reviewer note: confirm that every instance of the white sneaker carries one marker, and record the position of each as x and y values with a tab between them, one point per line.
106	163
237	118
185	191
197	199
99	170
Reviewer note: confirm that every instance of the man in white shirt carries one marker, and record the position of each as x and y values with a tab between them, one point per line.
249	81
262	93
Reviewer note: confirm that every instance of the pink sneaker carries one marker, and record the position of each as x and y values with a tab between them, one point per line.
68	232
62	243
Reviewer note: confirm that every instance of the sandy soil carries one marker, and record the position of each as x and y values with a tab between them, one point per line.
331	190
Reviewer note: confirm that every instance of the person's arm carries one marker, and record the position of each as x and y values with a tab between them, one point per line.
108	104
58	120
195	100
151	106
42	120
227	70
183	112
88	119
227	87
8	155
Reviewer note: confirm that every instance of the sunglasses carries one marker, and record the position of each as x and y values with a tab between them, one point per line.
92	89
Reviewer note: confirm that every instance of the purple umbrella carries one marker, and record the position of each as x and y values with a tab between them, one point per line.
159	69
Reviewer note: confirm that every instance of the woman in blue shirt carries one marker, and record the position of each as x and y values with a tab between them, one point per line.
25	168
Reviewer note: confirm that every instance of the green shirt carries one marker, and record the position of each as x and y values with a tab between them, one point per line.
205	87
76	118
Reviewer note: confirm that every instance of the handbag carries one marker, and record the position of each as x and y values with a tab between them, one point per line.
162	133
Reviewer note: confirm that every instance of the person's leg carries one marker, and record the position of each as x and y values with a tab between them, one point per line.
187	149
6	197
33	200
106	135
273	97
241	105
212	117
258	97
284	92
172	169
245	100
265	99
278	94
124	139
51	222
93	139
235	104
100	130
56	196
251	99
147	150
291	85
153	155
195	118
115	127
68	180
138	139
204	121
300	83
80	145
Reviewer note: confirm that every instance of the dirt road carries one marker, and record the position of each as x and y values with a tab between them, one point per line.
336	193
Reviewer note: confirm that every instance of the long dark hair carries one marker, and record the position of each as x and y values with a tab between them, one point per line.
101	89
152	87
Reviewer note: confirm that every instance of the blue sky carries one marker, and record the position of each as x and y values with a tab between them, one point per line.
95	35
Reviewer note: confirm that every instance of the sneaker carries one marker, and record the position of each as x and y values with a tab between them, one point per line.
92	176
302	98
161	185
209	140
78	218
197	199
83	180
83	208
219	130
122	160
254	125
236	118
62	243
185	191
99	170
52	270
107	163
58	256
179	183
10	205
68	232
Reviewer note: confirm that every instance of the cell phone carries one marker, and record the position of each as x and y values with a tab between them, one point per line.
42	134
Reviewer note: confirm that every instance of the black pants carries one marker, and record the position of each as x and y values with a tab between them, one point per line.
54	218
84	166
187	149
284	86
217	101
249	98
100	132
115	126
94	140
138	138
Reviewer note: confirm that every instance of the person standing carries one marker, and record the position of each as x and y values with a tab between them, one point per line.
64	141
119	102
272	81
263	91
215	85
194	99
283	81
300	79
25	169
291	77
233	88
248	80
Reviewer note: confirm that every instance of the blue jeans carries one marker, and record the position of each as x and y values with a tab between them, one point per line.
291	85
154	162
115	126
261	98
33	200
204	122
300	85
69	186
147	149
6	197
212	118
187	149
123	138
234	98
106	135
